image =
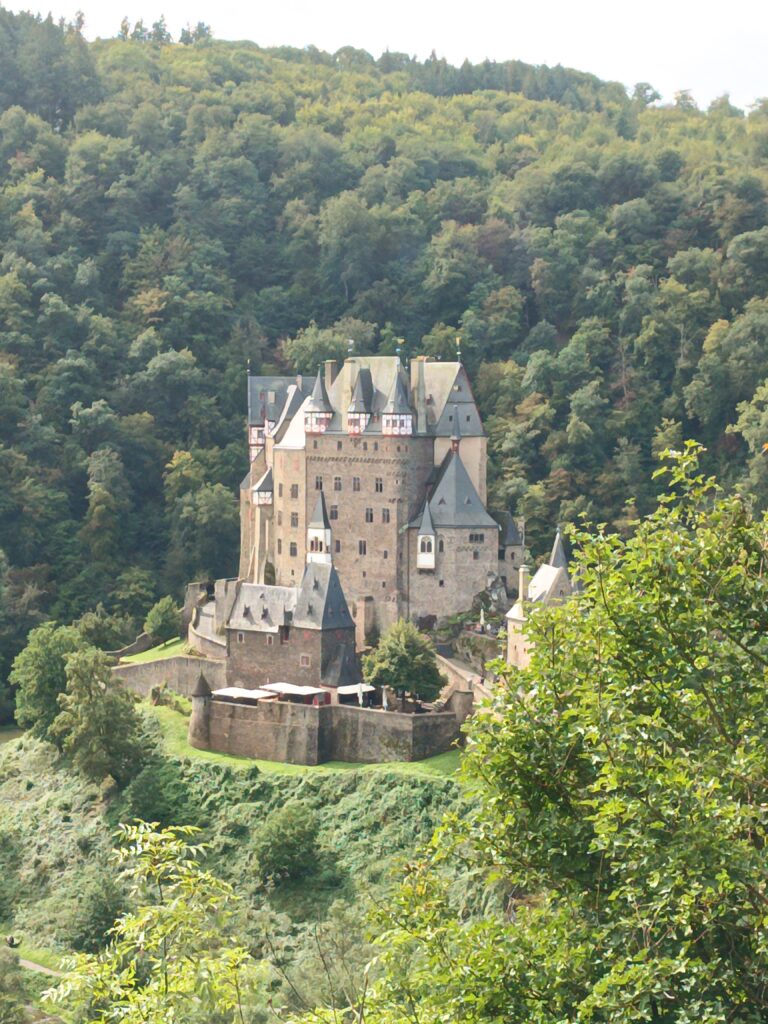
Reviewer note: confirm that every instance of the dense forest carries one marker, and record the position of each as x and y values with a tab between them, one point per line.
171	210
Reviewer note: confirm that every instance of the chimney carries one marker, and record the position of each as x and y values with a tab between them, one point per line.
522	583
418	391
331	372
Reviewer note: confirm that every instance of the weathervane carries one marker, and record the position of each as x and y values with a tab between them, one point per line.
458	347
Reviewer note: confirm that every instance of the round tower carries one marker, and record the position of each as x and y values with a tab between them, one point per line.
199	733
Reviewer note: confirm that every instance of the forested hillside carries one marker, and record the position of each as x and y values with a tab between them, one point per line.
170	210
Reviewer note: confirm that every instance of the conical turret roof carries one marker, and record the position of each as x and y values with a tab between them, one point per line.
318	401
425	527
360	401
558	557
202	689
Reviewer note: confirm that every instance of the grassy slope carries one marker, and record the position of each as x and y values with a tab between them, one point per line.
167	650
174	728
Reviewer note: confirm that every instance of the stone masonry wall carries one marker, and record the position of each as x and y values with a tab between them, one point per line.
303	734
180	674
462	575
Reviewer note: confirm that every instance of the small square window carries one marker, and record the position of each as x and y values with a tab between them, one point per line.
270	639
294	490
362	547
293	550
369	515
385	553
240	638
294	519
441	583
355	483
365	446
338	446
304	661
476	555
383	584
375	446
318	483
337	483
314	444
338	546
333	512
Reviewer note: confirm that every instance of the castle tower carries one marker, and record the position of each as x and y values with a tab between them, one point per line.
318	411
319	534
199	733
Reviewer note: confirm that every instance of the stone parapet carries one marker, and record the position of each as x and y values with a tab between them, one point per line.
180	674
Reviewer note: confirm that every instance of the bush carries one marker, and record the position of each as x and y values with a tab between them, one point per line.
163	620
286	844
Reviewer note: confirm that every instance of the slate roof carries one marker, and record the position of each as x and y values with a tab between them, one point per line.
320	600
262	608
319	520
425	526
362	395
558	557
266	398
265	484
344	670
510	531
318	401
454	501
398	401
202	689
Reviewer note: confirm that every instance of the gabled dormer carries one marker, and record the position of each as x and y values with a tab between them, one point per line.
425	541
318	411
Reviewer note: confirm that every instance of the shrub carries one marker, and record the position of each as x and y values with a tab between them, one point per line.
285	846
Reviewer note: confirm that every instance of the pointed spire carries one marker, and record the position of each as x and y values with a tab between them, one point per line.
202	689
426	529
319	520
358	403
558	557
319	399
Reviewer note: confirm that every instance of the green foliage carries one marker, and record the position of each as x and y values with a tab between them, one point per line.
621	783
285	845
12	991
88	918
97	724
404	660
172	957
163	621
39	673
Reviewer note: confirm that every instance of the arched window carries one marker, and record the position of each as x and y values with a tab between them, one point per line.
425	546
440	546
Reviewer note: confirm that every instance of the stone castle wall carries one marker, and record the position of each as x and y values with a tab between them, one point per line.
458	577
180	674
304	734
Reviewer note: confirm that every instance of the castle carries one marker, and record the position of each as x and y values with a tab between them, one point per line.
550	585
400	458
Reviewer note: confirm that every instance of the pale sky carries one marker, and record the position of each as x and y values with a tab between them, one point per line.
708	47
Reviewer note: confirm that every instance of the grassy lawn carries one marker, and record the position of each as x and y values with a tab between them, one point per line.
174	726
167	650
8	733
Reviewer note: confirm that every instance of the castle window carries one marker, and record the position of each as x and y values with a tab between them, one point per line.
314	444
425	545
441	583
304	661
441	546
385	515
383	583
375	446
369	515
476	538
468	419
355	483
362	547
338	446
476	555
365	446
337	483
379	486
285	634
294	490
294	519
280	518
338	546
385	553
333	512
270	639
293	550
318	483
240	638
279	546
279	490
